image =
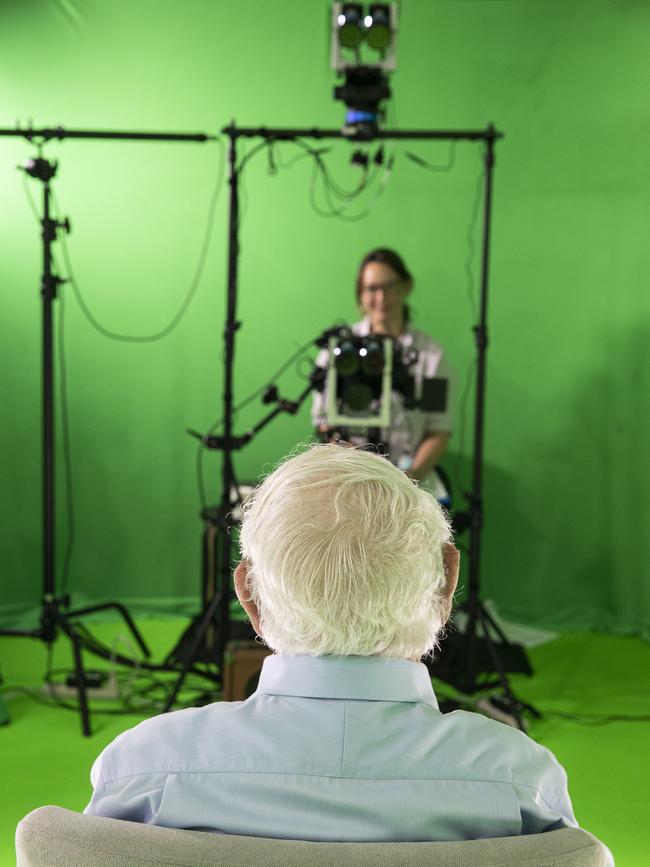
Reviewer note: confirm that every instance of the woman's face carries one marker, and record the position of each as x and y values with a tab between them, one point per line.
383	294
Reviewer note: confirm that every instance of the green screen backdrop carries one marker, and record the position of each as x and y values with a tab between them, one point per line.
566	503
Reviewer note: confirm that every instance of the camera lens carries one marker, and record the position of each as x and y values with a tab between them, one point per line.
346	358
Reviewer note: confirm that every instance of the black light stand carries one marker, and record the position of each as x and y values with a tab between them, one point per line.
55	613
465	666
216	613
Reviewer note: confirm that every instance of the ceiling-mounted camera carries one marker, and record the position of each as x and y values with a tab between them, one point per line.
363	53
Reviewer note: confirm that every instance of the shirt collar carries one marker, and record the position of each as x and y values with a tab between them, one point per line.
364	678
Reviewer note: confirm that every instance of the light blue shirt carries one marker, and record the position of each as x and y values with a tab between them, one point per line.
333	748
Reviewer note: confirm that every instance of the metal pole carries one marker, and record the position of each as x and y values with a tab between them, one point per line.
60	133
48	294
481	335
284	134
229	356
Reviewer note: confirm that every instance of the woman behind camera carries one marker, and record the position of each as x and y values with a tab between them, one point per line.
415	440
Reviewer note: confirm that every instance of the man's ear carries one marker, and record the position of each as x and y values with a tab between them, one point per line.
451	562
241	575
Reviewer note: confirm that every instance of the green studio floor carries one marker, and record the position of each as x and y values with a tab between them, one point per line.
45	760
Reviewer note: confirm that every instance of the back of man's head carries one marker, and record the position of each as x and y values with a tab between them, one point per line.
345	557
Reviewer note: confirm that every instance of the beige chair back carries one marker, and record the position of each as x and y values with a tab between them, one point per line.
54	837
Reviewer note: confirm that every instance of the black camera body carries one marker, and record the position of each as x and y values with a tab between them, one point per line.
359	363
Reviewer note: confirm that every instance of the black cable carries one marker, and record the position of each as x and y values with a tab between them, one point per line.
253	152
200	480
30	199
93	645
267	144
215	426
328	179
61	704
383	176
141	688
63	392
587	719
331	190
331	187
435	167
341	212
331	209
137	685
392	114
48	659
471	372
150	677
462	425
299	367
271	165
334	187
284	366
35	695
55	702
194	285
242	210
595	719
289	164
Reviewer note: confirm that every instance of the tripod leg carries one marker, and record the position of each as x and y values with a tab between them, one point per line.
224	562
81	682
499	632
496	662
210	543
470	658
206	621
125	615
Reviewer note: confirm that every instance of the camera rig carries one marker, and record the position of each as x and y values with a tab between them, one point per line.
364	371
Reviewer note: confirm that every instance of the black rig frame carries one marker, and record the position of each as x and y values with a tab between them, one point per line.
469	661
55	609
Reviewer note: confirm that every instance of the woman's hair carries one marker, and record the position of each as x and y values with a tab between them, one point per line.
345	557
383	256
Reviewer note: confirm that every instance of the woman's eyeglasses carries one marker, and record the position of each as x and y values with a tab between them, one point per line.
389	286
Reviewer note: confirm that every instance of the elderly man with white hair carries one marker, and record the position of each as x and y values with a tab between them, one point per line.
348	574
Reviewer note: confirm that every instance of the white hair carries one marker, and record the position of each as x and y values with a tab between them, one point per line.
345	557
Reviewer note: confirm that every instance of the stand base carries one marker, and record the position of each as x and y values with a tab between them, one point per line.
469	656
450	662
181	653
493	706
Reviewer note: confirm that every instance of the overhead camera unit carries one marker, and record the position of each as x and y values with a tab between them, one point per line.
363	53
355	25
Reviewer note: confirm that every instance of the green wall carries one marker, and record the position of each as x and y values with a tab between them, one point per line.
566	540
